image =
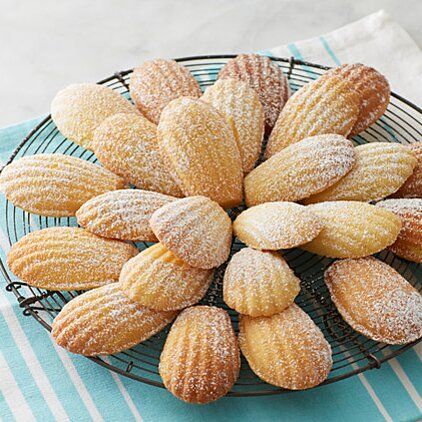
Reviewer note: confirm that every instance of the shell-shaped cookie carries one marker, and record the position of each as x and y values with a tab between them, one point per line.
68	258
352	229
327	105
79	109
122	214
381	168
276	225
373	89
409	242
265	77
55	185
240	103
200	360
105	321
157	82
375	300
158	279
127	145
300	170
259	283
200	149
196	229
287	349
412	187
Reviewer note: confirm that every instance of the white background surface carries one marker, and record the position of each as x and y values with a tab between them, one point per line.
47	44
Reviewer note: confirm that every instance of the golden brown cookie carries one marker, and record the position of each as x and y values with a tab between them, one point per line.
155	83
127	145
409	243
122	214
265	77
259	283
55	185
287	349
412	187
196	229
376	300
158	279
300	170
68	258
79	109
200	360
277	225
104	321
352	229
240	103
381	168
373	89
327	105
201	152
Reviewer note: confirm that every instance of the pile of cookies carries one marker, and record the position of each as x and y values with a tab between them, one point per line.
191	157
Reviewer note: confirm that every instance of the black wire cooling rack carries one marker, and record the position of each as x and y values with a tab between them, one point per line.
352	353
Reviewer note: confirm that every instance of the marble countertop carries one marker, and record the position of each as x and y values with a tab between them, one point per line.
47	45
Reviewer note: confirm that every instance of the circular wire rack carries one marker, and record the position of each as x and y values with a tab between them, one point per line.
352	353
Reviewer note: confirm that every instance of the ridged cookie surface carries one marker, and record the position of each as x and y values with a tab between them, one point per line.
352	229
200	360
300	170
277	225
265	77
127	145
104	321
381	168
240	103
287	349
122	214
155	83
327	105
196	229
55	185
158	279
200	149
79	109
259	283
68	258
376	300
409	242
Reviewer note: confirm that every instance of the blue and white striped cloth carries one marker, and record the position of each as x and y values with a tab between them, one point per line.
39	381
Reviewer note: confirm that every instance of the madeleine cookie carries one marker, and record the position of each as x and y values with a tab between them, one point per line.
200	150
373	89
258	283
375	300
122	214
158	279
127	145
300	170
200	360
409	243
79	109
240	103
195	229
352	229
327	105
412	187
55	185
276	225
155	83
381	168
265	77
287	349
104	321
68	258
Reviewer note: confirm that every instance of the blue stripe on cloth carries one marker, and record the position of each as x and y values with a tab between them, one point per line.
329	51
411	364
